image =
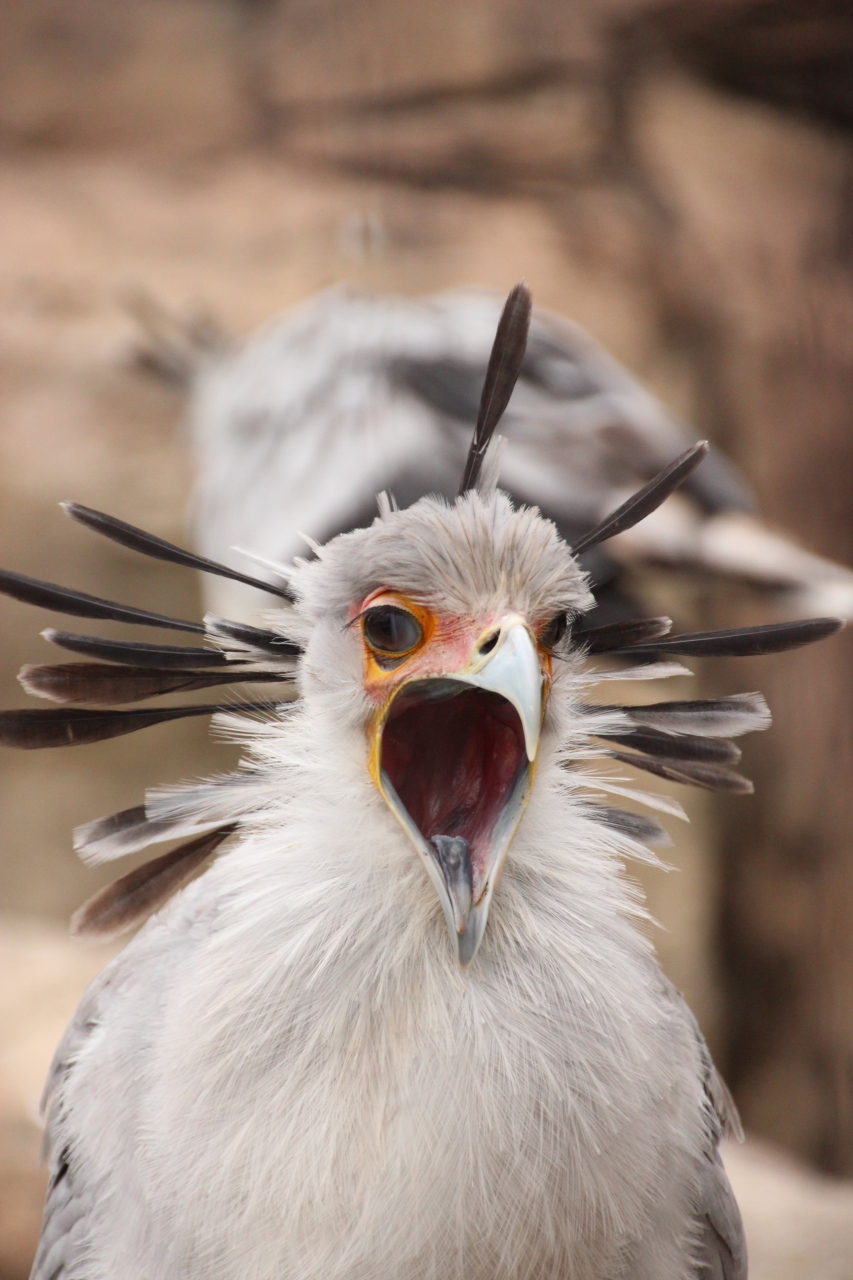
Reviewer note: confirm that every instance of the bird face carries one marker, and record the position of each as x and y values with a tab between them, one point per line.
458	703
430	633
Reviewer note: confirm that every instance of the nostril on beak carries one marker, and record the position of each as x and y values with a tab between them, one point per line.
489	643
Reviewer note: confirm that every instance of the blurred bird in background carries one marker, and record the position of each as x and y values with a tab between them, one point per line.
407	1022
296	430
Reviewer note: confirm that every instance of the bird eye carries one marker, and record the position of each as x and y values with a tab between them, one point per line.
391	630
554	631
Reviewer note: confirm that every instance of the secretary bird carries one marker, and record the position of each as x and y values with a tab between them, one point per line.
407	1022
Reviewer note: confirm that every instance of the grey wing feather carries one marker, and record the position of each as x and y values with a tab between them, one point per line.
720	1239
721	1251
61	1244
67	1205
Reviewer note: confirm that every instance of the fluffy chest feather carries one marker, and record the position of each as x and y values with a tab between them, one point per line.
333	1095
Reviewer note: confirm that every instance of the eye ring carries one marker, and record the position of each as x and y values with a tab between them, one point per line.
554	632
391	630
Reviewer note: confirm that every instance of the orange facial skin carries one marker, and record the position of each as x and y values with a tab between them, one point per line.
446	647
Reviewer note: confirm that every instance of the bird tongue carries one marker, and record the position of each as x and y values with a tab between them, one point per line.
454	857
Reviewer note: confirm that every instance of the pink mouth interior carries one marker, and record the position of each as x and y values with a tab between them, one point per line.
454	761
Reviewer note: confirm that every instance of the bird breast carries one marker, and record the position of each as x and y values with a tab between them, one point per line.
327	1093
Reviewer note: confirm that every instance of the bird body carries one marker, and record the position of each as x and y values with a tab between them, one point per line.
313	1086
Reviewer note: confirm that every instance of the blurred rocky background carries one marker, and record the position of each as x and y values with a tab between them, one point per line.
678	178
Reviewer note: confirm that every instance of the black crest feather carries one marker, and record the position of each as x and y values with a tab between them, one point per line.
635	825
143	891
682	746
146	543
502	374
711	717
128	653
693	774
645	500
619	635
71	727
742	642
80	682
63	600
266	642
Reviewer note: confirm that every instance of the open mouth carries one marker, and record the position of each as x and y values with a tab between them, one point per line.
455	770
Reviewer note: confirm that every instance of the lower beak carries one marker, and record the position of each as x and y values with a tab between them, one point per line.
456	769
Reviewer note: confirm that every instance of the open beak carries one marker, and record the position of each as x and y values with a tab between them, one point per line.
454	756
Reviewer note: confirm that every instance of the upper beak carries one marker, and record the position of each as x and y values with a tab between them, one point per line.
510	667
504	661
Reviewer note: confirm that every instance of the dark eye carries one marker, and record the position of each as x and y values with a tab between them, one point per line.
391	630
554	631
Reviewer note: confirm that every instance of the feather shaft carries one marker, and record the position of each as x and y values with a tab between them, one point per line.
649	671
615	787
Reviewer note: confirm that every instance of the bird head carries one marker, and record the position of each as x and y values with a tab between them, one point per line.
437	626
